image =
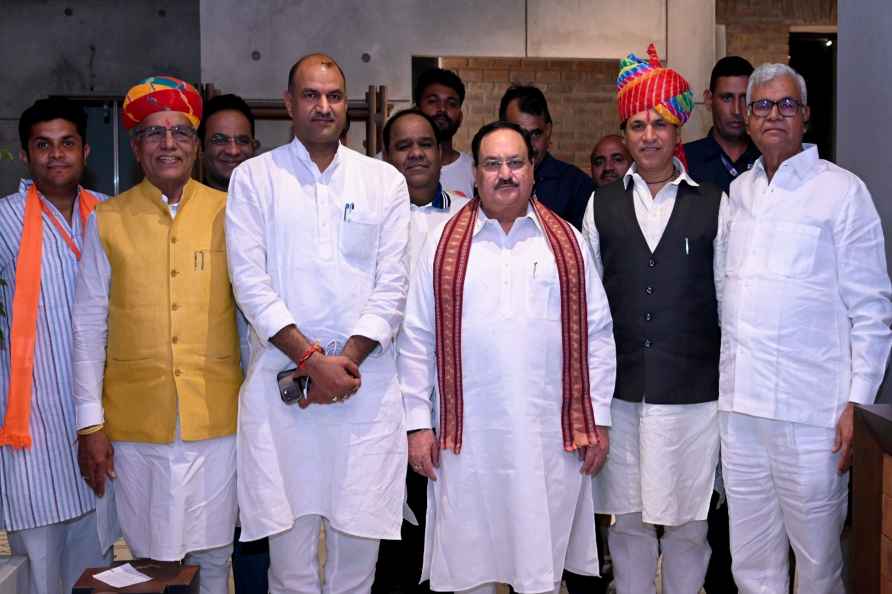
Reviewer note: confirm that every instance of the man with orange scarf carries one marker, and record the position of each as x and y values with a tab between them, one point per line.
507	325
156	354
45	507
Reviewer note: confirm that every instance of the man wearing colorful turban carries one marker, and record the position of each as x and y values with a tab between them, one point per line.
653	233
154	294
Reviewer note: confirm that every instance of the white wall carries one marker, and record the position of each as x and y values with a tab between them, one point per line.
863	97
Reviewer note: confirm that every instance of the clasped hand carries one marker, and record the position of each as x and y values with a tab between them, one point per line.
335	378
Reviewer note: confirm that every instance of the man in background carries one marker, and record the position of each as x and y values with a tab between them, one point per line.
560	186
610	160
440	94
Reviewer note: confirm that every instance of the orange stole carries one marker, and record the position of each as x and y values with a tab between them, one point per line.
450	268
23	336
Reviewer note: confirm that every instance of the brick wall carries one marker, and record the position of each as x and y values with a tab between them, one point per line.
581	98
759	29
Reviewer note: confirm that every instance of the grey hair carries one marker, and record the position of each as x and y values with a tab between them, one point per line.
769	72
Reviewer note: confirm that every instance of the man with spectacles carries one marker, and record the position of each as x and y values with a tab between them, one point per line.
805	336
726	151
560	186
156	352
227	138
654	235
518	436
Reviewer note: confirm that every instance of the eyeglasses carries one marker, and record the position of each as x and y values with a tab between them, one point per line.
493	165
182	134
787	107
242	140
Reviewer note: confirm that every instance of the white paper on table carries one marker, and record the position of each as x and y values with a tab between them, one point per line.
122	576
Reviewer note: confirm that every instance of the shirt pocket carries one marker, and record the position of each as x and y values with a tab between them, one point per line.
544	292
738	243
793	249
358	241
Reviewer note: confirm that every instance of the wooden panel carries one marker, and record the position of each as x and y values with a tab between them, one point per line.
886	559
887	516
887	475
867	509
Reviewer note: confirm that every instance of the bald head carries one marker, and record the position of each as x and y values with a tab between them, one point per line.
315	60
610	160
316	100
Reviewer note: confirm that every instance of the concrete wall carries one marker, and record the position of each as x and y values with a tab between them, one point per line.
248	46
87	47
862	100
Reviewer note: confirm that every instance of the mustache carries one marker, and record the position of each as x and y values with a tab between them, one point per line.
506	183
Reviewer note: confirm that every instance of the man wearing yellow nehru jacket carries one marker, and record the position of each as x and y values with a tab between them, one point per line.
156	357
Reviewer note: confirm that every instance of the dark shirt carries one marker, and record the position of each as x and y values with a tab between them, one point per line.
707	162
563	188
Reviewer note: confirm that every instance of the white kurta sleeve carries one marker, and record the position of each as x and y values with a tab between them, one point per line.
601	346
720	250
383	312
416	345
865	290
590	233
246	254
90	328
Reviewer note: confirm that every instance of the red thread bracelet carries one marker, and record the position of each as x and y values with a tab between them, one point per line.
313	348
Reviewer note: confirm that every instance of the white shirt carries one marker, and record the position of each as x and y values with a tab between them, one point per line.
653	214
423	219
459	175
326	251
806	314
512	475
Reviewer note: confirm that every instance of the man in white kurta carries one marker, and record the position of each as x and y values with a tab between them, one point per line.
805	337
316	237
513	506
411	144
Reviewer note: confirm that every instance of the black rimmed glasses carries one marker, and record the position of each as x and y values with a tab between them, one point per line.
787	107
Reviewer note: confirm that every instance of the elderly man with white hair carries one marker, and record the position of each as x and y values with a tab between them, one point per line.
805	335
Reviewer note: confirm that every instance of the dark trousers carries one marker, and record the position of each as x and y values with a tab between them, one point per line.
718	574
589	584
250	565
400	561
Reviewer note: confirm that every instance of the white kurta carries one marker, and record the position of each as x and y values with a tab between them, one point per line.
512	507
424	219
325	251
170	499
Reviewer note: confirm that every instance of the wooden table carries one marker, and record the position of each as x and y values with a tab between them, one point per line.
167	578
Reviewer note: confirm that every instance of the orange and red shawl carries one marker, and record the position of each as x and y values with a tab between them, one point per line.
15	431
450	267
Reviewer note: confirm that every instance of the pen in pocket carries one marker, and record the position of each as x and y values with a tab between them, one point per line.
687	247
348	208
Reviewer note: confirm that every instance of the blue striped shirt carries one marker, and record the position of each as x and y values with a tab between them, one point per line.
42	485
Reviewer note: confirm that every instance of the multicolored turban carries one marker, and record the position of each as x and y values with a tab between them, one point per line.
161	93
647	84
